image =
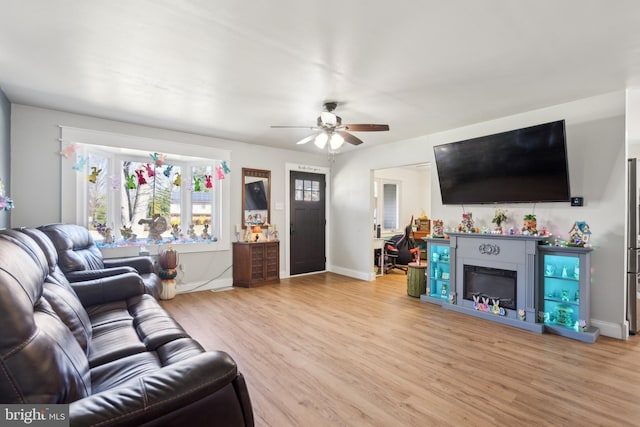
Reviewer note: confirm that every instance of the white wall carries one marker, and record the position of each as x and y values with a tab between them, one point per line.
596	148
36	178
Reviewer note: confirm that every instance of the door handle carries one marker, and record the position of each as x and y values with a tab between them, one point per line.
292	229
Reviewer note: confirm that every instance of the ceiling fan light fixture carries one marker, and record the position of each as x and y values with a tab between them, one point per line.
321	140
328	119
336	141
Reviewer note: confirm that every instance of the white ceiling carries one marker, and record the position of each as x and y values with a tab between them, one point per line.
230	69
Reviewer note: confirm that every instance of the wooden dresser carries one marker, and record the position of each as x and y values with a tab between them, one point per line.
256	264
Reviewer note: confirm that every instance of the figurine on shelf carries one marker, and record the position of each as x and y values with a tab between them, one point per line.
205	232
438	228
530	225
579	234
192	232
175	231
467	223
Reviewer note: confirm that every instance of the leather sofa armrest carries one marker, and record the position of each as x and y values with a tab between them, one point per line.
163	395
83	275
142	264
108	289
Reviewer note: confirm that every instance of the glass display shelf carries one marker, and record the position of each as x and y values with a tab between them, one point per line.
564	300
438	273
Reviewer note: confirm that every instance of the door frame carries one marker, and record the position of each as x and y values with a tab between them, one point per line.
298	167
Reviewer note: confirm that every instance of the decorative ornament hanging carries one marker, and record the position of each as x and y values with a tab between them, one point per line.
150	172
115	182
220	173
81	161
69	150
208	184
167	171
93	176
158	158
131	184
177	181
141	179
196	183
225	167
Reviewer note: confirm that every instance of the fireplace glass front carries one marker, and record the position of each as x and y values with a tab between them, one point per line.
490	282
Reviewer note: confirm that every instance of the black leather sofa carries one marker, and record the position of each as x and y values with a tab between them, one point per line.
80	259
104	347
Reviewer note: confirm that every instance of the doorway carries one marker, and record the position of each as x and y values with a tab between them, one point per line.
307	225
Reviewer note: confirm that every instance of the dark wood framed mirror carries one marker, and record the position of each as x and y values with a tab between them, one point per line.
256	197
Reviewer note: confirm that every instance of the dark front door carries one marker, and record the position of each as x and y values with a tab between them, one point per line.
307	204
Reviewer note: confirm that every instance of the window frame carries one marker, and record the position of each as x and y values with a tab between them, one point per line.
379	213
117	147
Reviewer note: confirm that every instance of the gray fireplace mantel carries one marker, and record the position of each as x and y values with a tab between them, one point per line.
507	252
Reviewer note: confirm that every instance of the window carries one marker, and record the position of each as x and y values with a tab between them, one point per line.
386	204
307	190
191	221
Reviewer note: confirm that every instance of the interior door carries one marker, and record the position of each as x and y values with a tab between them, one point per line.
308	222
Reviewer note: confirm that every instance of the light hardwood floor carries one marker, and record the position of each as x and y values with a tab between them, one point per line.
327	350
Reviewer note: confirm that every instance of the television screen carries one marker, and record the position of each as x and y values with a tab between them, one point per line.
523	165
255	196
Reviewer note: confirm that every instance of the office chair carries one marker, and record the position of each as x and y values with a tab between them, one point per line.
400	250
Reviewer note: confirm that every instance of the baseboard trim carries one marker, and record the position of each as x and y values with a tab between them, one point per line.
205	285
612	330
351	273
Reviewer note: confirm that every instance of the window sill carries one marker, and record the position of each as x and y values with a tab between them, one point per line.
135	248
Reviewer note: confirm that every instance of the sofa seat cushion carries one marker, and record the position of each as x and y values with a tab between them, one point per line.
125	328
178	350
119	371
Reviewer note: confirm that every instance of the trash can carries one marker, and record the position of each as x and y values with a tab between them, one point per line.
416	280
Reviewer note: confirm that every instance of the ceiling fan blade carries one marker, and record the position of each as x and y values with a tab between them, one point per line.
366	127
307	139
349	138
292	127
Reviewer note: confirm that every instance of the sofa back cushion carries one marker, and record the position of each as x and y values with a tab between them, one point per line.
40	359
76	249
56	289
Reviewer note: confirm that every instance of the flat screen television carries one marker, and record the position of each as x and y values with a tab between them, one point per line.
519	166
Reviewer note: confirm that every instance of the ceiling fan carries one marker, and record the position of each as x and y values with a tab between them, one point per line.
329	128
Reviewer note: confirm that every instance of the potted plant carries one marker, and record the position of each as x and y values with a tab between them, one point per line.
499	217
530	224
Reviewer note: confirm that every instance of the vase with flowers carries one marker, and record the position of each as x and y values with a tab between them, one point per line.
498	218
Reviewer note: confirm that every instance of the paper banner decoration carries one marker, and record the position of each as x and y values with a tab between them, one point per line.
93	176
158	159
141	179
81	161
208	183
131	184
177	181
115	182
68	150
219	173
150	171
167	171
196	183
225	167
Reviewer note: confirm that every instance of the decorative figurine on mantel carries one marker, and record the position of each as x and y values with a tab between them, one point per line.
530	225
499	217
579	234
438	228
467	223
